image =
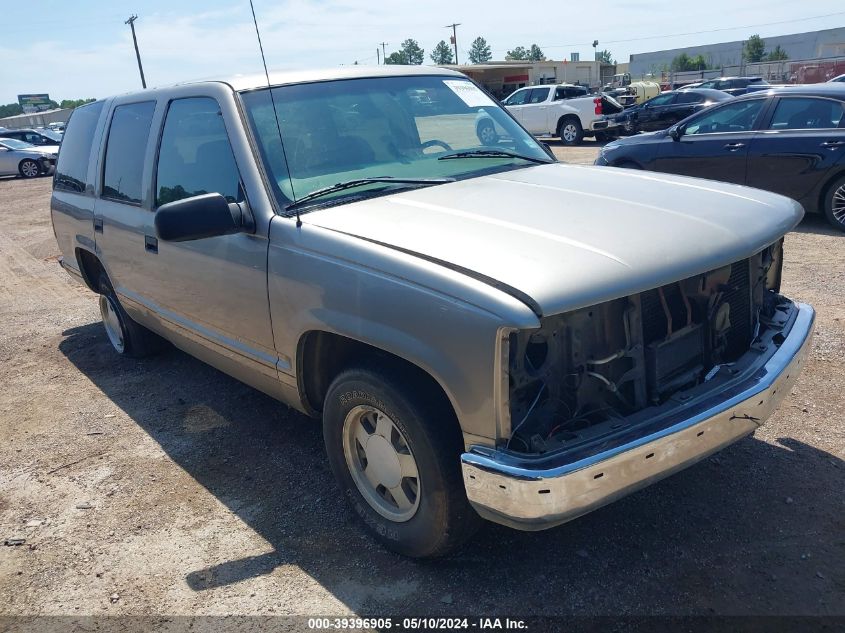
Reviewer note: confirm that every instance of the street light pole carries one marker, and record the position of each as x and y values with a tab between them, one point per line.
454	28
131	23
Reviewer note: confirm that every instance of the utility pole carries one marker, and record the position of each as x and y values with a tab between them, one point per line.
454	28
131	23
384	51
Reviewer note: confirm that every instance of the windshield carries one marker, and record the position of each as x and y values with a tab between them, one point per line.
50	134
12	143
394	127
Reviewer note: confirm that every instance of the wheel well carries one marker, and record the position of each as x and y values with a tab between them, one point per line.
90	267
566	117
323	355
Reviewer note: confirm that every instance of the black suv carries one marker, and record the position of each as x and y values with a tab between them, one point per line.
733	85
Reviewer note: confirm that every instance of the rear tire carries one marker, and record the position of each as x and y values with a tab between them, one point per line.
834	203
29	168
395	452
570	131
127	337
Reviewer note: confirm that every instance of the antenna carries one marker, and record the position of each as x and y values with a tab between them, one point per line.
272	99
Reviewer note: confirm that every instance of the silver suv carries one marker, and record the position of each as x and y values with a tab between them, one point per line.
483	331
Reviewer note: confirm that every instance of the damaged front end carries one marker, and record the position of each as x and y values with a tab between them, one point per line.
607	399
601	370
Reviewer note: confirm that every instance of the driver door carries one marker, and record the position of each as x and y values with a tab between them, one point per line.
516	103
714	144
535	112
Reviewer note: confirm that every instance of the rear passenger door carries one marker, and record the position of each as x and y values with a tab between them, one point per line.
653	112
803	140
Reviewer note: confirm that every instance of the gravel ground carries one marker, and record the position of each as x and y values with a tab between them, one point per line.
165	487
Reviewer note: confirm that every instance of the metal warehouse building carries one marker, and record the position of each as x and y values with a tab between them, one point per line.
815	44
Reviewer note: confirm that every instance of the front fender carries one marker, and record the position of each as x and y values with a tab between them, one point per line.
437	319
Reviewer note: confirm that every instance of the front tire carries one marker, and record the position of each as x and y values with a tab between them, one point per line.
486	132
29	168
570	131
834	203
395	453
127	337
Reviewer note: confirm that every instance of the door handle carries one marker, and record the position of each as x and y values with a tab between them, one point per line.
833	143
98	225
150	244
733	146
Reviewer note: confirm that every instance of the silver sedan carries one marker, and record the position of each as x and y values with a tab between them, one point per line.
18	157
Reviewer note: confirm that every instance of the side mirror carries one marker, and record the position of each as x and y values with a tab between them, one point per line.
676	133
196	218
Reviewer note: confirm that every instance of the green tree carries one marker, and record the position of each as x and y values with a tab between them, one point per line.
442	54
778	54
479	51
535	54
518	53
397	57
414	54
409	53
698	63
74	103
754	48
681	62
10	109
605	57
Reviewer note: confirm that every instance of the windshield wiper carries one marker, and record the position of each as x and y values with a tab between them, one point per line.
493	153
349	184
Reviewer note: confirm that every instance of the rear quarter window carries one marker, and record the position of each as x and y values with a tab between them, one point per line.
75	155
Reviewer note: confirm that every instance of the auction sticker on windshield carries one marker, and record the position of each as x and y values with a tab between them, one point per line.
468	92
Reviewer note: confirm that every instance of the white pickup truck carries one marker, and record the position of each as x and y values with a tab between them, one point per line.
564	110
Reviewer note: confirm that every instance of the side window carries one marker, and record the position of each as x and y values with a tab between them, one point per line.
195	156
560	93
662	100
806	113
72	168
737	116
517	98
689	97
539	95
125	148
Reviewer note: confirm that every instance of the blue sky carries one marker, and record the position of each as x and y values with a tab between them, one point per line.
82	48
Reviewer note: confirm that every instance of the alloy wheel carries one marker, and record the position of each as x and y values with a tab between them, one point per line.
29	168
838	205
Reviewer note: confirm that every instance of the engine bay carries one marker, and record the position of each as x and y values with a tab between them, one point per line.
600	369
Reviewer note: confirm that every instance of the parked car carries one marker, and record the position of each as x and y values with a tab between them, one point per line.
788	140
733	85
838	79
57	126
667	109
484	331
564	110
29	161
35	137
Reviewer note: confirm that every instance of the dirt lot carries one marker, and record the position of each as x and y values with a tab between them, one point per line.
164	487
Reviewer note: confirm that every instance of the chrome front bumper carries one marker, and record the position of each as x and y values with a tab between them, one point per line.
510	490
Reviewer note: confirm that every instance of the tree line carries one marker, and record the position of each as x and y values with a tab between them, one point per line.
14	109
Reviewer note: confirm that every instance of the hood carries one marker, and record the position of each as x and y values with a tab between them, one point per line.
572	236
